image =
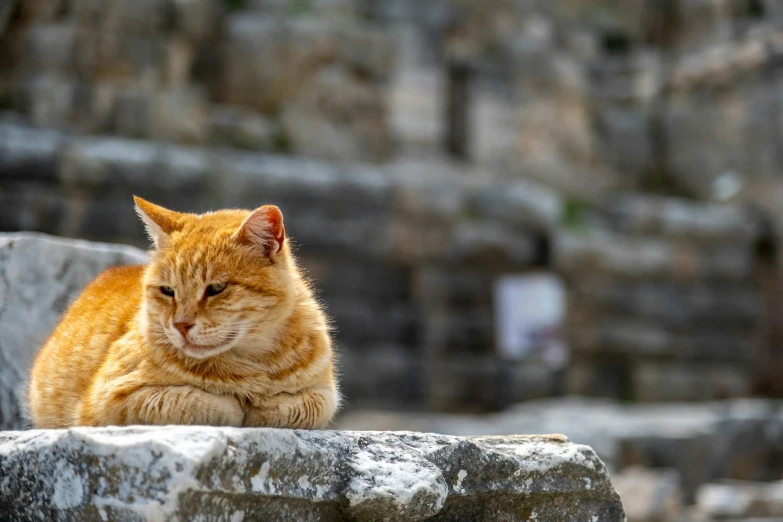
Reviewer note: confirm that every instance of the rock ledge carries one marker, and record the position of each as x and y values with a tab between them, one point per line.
230	474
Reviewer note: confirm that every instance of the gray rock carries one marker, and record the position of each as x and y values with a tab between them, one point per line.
201	473
39	277
738	439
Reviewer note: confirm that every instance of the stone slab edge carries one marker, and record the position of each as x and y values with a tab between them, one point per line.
233	474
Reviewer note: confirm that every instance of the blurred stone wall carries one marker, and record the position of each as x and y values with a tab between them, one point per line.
404	259
289	77
665	302
672	98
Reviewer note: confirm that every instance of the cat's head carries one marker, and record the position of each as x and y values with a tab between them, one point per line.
215	281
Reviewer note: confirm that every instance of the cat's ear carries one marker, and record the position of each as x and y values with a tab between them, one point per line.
160	222
264	227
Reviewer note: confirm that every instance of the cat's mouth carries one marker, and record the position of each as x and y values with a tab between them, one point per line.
207	349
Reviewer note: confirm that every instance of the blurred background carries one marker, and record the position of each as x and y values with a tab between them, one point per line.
524	216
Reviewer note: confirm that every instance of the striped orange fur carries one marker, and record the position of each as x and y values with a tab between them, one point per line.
220	328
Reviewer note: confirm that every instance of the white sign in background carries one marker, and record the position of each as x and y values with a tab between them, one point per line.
529	311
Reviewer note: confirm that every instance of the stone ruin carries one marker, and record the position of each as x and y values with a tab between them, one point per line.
628	148
661	102
233	474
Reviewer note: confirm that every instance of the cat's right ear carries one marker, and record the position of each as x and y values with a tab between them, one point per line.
264	228
160	222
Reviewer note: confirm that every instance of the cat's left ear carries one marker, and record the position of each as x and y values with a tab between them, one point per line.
264	227
160	222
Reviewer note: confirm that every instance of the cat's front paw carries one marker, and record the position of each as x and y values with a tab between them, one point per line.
226	411
266	417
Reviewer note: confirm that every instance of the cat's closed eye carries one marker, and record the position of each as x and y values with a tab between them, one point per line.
167	290
214	289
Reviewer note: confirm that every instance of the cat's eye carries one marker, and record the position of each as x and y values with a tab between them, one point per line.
167	290
214	289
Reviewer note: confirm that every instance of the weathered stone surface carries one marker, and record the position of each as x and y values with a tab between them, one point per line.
738	439
39	277
199	473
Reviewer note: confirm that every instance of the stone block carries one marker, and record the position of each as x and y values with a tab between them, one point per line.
121	57
195	19
373	281
39	277
337	116
527	205
599	377
28	153
364	322
50	49
32	206
684	306
649	495
627	142
748	440
234	126
141	18
674	217
740	500
621	335
131	113
366	50
253	68
187	473
655	381
179	62
372	370
713	141
688	451
100	162
477	382
492	245
179	116
312	73
127	165
639	337
636	257
47	99
343	188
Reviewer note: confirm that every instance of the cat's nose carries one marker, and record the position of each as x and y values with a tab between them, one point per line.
183	328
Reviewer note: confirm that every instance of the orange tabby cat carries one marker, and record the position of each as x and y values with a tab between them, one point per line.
219	328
